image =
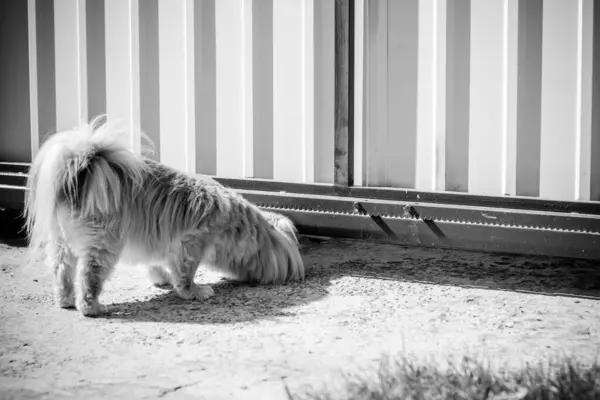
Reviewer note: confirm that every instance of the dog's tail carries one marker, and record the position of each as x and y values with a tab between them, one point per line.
82	171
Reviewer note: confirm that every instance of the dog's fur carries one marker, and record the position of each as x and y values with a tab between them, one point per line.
93	202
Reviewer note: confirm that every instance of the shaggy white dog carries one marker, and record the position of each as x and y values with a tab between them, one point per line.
93	202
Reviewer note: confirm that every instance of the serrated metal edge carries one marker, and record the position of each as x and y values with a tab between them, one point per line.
409	217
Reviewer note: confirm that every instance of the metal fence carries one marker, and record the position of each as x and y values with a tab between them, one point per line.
498	97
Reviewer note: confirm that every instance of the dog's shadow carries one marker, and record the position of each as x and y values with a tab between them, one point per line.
330	261
233	301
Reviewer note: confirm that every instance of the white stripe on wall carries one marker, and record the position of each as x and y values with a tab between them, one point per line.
247	89
70	86
430	121
189	87
584	145
175	43
360	15
308	90
511	50
487	136
559	99
122	72
289	108
439	151
230	81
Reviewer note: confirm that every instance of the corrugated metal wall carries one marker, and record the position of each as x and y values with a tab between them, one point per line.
487	97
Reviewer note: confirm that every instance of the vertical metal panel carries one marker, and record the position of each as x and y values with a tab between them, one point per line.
559	99
403	30
96	57
15	118
487	122
595	131
34	132
247	90
263	87
176	67
70	99
45	65
230	95
584	144
343	123
391	93
529	97
134	84
206	87
360	23
441	19
511	53
376	75
82	59
149	74
458	55
485	97
323	90
291	156
122	66
189	86
431	81
308	90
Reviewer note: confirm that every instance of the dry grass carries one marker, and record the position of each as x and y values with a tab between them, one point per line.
467	379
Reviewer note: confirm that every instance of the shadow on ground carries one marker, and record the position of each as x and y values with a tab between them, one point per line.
238	302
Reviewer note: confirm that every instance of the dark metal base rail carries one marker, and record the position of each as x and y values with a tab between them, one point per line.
444	226
444	220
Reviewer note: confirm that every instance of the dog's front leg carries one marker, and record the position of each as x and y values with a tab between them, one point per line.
183	263
92	271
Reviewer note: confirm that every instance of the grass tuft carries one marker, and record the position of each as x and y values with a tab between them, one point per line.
467	379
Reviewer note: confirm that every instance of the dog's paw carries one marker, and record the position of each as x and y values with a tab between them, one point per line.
203	292
65	302
64	297
195	292
93	310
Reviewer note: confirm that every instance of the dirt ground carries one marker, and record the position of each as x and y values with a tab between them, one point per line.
360	301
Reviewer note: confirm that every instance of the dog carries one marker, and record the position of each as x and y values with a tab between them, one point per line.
92	202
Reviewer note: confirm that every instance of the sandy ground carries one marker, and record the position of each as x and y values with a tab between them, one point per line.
360	301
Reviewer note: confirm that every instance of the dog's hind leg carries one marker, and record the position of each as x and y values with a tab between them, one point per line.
63	263
92	270
184	260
